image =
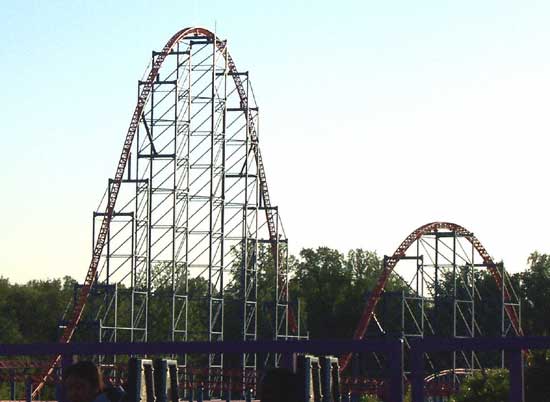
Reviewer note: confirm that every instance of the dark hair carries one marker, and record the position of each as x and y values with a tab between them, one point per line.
280	385
87	371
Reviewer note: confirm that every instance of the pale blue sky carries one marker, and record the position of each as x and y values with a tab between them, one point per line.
376	117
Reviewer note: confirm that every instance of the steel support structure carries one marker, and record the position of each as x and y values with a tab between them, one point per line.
509	301
436	278
445	280
448	258
193	205
435	274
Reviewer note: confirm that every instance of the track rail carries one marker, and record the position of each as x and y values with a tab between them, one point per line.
368	311
143	97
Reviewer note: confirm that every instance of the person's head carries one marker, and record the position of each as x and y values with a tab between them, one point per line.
280	385
82	382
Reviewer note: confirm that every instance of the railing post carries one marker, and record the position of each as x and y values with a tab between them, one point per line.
228	389
191	389
200	393
28	389
12	385
516	376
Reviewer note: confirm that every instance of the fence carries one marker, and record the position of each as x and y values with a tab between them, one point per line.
393	348
514	348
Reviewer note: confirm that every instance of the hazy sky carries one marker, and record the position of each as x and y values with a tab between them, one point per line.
376	117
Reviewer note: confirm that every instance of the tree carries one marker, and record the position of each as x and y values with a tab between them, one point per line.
491	385
31	312
333	289
535	297
537	372
324	282
535	294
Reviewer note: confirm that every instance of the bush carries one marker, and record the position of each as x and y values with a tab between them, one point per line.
491	385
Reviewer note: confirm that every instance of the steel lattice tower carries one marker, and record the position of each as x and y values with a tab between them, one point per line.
436	269
193	203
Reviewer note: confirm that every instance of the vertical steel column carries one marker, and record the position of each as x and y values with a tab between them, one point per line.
420	291
281	266
187	149
135	245
221	173
211	280
182	116
455	306
174	200
221	196
216	216
12	385
503	315
473	301
108	241
187	184
249	263
151	135
436	276
280	311
162	146
28	389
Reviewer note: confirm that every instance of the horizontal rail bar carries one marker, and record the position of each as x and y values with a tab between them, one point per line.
436	344
293	346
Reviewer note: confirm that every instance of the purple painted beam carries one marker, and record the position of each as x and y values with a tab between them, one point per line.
436	344
317	347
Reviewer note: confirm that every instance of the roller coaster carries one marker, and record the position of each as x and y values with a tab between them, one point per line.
189	199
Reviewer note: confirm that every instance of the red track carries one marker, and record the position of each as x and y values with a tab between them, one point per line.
134	123
368	311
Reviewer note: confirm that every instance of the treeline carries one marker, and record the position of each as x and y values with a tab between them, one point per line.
30	312
331	288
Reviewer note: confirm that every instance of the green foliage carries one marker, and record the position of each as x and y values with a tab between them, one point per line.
485	386
332	287
535	292
31	312
372	398
368	398
535	298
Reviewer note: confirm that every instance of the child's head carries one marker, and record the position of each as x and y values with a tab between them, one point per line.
82	382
